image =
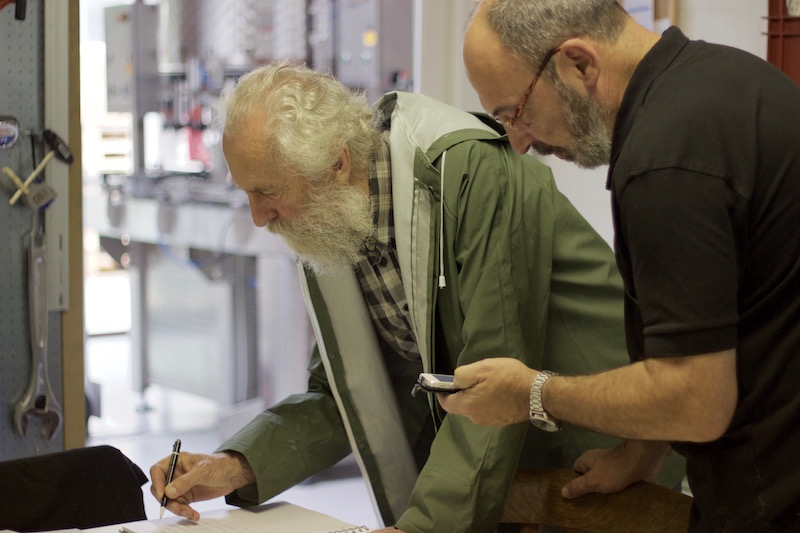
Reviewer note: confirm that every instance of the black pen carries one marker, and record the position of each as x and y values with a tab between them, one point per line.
176	450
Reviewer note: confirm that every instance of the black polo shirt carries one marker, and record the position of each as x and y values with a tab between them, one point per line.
705	181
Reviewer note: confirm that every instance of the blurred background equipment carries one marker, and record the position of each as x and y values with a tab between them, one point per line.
166	63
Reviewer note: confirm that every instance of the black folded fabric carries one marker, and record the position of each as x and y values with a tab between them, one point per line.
81	488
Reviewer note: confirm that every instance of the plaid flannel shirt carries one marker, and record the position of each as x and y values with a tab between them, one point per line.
379	272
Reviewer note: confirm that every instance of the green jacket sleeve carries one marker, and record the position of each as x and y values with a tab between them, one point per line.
296	438
498	240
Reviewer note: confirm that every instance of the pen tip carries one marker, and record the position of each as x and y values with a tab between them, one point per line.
161	514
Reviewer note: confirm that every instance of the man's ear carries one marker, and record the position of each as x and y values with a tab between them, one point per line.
578	65
342	166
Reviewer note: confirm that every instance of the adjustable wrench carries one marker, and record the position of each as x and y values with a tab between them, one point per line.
39	399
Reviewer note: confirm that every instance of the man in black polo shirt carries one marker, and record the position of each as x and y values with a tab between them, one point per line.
703	143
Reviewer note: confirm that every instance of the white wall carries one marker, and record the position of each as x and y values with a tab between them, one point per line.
438	70
439	73
739	23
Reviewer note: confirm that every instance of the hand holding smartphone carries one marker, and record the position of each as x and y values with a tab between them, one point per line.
441	383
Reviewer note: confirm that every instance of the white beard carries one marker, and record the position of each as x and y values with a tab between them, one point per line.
329	233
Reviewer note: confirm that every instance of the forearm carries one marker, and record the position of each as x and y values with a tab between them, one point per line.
684	399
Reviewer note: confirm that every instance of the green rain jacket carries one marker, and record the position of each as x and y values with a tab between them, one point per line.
522	274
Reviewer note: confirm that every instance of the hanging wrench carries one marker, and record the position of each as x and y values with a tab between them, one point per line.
39	399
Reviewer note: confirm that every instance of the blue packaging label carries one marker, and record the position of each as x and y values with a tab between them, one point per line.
9	133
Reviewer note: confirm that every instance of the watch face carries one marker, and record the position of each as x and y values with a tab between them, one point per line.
546	425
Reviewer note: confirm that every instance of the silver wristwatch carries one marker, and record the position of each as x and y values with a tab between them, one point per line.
539	416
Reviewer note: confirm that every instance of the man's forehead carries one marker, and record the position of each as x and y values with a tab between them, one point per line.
250	134
495	73
483	51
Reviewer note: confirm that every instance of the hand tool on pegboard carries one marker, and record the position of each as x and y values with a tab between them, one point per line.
19	10
42	195
38	195
39	399
59	150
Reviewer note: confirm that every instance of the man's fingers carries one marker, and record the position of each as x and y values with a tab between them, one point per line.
577	487
582	464
157	476
445	400
464	377
179	486
589	459
182	509
456	403
572	490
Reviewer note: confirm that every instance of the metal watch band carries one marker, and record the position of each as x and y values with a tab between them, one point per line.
538	415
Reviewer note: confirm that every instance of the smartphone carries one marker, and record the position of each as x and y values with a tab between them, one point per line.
435	383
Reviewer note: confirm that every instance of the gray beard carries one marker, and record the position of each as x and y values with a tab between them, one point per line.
588	125
328	235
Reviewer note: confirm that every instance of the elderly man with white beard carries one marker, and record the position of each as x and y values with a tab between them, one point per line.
425	243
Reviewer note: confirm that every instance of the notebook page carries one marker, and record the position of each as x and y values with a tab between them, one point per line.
280	517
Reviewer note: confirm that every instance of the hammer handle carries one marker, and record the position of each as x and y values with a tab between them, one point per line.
32	176
18	182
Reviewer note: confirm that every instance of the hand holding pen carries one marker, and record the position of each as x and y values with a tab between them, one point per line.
195	477
176	450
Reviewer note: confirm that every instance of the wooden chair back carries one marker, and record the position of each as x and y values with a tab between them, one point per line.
535	500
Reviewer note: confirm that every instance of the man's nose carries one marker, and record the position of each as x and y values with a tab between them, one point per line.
263	210
520	141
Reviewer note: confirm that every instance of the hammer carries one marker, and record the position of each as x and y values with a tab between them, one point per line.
58	149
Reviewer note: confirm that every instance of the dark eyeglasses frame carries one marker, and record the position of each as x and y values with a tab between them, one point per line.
511	122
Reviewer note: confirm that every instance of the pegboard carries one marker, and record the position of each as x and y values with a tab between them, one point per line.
22	96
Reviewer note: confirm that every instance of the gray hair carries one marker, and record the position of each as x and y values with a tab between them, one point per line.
531	28
309	119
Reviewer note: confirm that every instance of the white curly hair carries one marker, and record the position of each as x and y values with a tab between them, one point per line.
309	119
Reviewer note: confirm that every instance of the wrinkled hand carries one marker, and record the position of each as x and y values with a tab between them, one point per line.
495	392
606	471
199	477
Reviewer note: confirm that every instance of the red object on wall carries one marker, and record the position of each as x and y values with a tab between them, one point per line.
783	39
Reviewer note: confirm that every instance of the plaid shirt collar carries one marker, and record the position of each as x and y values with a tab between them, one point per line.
380	189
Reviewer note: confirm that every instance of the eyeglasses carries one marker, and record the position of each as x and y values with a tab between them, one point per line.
511	122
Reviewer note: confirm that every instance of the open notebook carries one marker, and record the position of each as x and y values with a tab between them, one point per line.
280	517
